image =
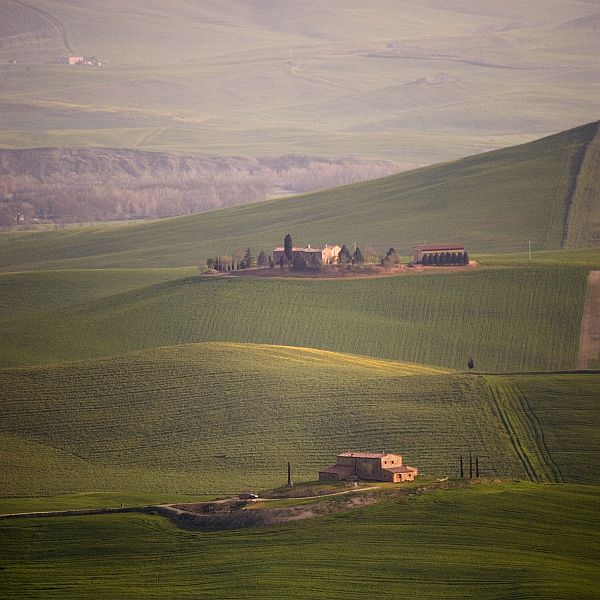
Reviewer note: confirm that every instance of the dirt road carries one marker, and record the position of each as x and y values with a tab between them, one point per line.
589	338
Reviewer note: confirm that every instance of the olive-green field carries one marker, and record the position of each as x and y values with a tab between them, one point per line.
435	318
214	418
483	542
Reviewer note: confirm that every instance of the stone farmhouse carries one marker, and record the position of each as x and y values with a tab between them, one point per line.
377	466
440	254
328	255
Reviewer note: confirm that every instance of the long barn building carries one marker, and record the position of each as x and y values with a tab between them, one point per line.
440	254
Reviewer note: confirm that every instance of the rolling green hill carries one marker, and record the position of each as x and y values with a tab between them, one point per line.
485	542
436	319
494	202
32	293
215	418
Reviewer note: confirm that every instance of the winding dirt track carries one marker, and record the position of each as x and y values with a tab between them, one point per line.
589	338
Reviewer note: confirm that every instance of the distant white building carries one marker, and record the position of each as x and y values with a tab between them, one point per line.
328	254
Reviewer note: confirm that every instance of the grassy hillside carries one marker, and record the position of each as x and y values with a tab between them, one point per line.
562	415
31	293
583	226
493	202
214	418
437	319
231	78
486	542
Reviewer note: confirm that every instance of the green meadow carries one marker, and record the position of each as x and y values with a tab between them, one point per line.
482	542
215	418
435	319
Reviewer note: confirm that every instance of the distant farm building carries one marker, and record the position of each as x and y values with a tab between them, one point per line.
377	466
327	255
440	254
72	59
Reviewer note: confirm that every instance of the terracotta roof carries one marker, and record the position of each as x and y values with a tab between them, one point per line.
432	247
365	454
339	469
403	469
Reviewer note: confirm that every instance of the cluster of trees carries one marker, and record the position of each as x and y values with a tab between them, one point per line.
13	214
239	259
347	260
446	258
390	259
77	185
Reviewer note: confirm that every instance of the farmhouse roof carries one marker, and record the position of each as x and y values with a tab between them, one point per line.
433	247
403	469
338	469
363	454
298	249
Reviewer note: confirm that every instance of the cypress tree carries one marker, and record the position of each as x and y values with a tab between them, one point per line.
288	247
357	257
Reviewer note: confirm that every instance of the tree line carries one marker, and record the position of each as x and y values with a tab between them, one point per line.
79	185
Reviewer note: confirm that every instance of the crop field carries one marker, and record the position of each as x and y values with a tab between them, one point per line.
494	202
434	319
482	542
562	411
234	78
31	293
215	418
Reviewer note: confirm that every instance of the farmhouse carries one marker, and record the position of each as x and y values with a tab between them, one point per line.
440	254
378	466
328	255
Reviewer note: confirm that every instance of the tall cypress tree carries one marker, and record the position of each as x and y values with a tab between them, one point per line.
288	247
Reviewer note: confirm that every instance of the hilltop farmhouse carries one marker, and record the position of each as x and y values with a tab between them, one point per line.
328	255
378	466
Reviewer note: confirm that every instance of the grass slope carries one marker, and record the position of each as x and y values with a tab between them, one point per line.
484	542
31	293
583	227
437	319
216	417
493	202
564	420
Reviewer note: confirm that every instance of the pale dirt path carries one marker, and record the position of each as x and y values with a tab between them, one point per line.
589	338
164	509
